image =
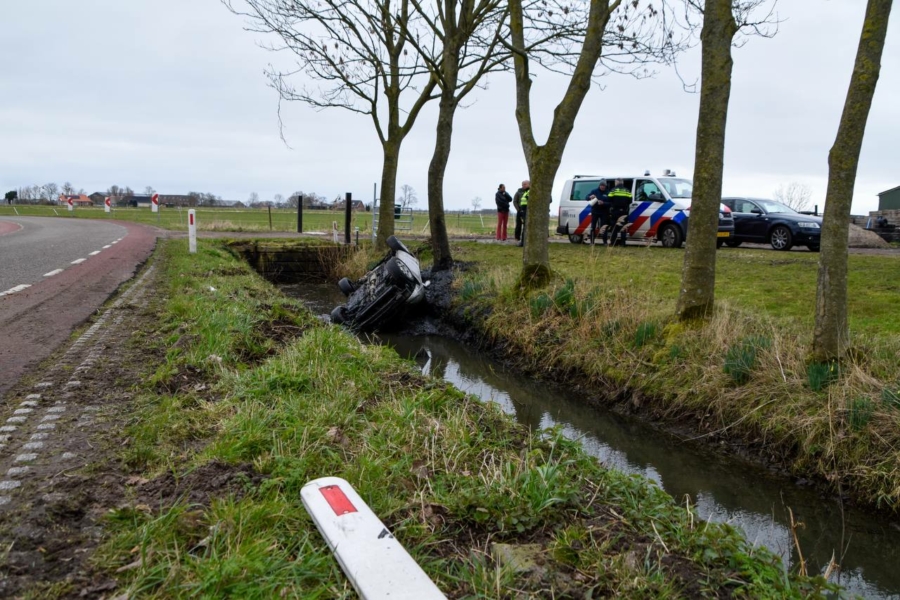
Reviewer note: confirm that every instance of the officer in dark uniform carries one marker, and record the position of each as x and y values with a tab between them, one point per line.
620	199
600	205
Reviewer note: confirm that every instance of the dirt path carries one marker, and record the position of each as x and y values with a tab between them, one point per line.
61	429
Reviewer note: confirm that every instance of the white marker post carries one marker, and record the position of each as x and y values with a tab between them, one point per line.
107	205
154	203
192	231
70	203
334	232
374	562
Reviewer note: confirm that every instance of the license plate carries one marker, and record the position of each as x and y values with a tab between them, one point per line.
723	234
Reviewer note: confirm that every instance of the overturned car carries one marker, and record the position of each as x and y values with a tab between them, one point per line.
383	293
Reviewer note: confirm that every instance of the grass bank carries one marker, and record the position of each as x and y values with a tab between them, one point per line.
237	419
607	322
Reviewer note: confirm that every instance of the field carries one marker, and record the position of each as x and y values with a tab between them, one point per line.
250	219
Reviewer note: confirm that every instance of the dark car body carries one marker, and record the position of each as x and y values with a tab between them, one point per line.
383	293
761	221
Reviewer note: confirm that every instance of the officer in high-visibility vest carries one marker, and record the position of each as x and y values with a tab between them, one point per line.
523	210
520	214
620	198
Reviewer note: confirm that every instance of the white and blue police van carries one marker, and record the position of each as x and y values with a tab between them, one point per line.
659	210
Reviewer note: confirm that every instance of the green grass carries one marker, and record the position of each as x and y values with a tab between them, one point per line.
745	372
448	474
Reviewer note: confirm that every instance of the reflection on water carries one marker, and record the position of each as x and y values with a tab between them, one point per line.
722	489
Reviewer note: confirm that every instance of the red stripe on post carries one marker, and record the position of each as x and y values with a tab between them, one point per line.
336	499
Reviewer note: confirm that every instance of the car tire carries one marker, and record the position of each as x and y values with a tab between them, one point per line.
396	245
733	243
346	286
396	273
780	238
670	236
339	315
719	244
814	248
576	238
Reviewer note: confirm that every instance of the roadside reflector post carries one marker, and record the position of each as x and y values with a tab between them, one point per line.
154	203
106	205
334	231
376	564
71	204
192	231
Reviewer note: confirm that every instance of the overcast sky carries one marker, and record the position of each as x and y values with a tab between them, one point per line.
171	94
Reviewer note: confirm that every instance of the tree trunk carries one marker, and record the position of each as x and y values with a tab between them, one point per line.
831	334
391	150
536	270
698	276
440	242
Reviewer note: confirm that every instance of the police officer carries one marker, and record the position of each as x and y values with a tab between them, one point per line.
620	199
520	209
523	210
600	204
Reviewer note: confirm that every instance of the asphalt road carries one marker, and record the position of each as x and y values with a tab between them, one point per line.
54	274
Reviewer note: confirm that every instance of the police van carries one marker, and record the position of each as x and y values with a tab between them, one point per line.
659	209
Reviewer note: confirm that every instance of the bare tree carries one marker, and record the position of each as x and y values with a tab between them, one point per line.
460	42
793	195
114	190
68	189
632	36
722	21
253	199
359	53
407	197
476	203
831	335
278	199
50	191
149	191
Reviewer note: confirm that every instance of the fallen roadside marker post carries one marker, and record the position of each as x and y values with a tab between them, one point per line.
192	231
374	562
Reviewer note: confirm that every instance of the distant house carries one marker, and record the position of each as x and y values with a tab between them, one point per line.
97	198
77	199
355	205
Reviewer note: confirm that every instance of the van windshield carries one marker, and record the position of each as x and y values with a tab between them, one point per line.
677	188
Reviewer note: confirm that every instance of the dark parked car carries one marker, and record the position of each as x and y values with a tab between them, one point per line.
383	293
768	222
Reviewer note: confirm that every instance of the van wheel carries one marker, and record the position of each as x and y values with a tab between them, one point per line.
346	286
576	238
670	236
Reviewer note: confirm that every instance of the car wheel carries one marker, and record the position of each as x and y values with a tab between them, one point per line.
346	286
670	236
339	315
733	243
399	272
780	238
814	248
719	244
396	245
576	238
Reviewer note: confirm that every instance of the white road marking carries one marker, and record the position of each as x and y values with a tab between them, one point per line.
53	272
28	457
33	446
107	246
94	253
47	426
13	290
78	261
16	471
9	485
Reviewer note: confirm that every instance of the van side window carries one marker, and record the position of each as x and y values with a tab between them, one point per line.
581	189
644	189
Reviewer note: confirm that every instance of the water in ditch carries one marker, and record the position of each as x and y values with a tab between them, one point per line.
721	488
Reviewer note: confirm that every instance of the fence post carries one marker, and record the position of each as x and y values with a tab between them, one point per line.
299	214
270	217
347	214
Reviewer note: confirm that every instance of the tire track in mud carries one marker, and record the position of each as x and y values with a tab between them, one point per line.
53	490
